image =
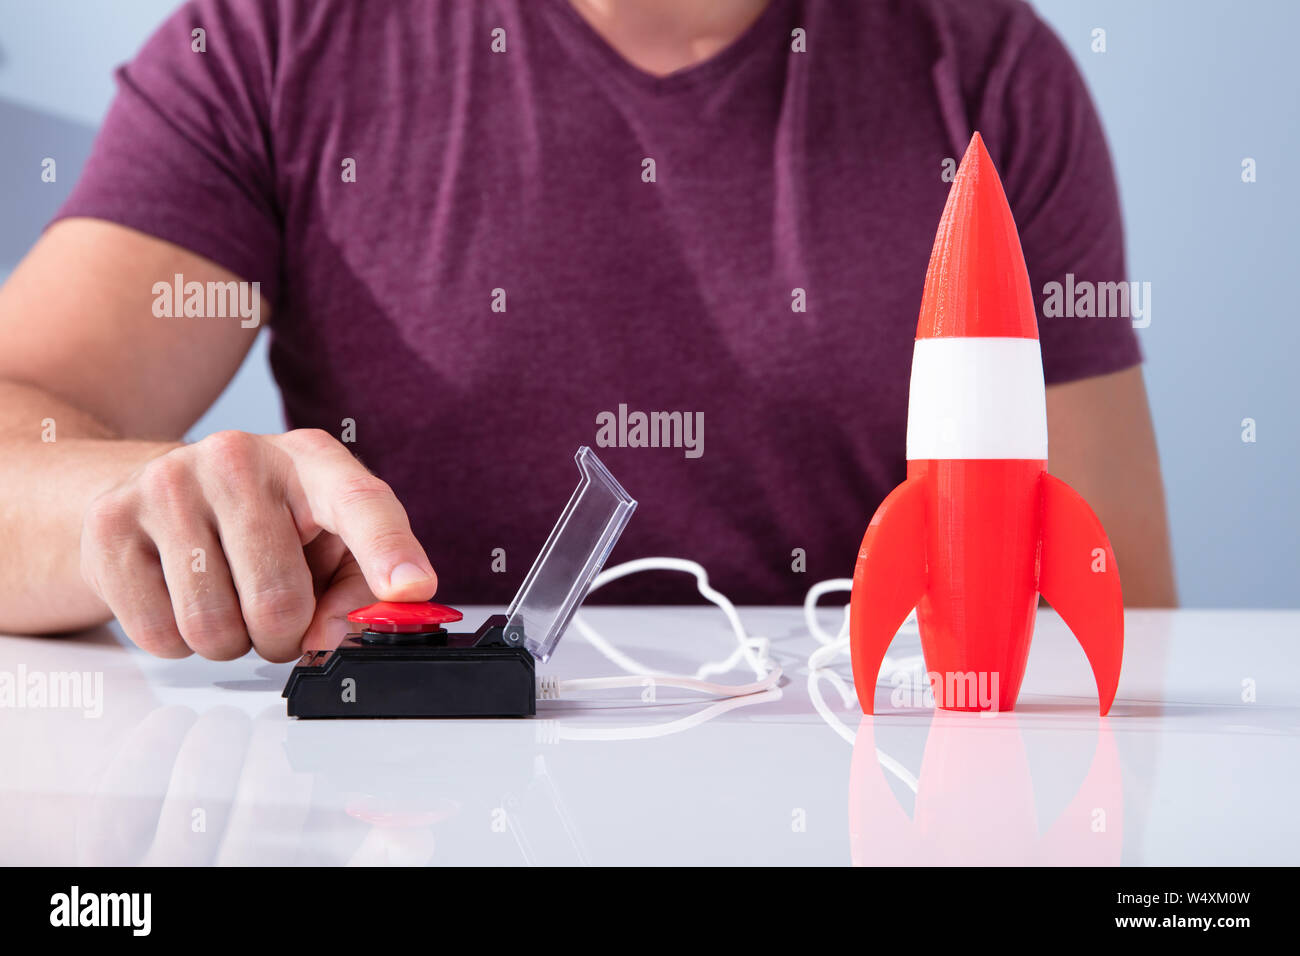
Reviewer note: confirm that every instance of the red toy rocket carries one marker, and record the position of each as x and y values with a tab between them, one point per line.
979	528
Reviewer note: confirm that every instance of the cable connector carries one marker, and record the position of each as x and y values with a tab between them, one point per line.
548	687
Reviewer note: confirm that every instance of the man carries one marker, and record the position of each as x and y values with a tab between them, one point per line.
486	233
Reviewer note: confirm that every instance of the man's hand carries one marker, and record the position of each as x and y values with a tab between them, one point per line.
234	541
246	540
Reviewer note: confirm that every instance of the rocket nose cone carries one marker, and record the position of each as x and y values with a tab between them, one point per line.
977	283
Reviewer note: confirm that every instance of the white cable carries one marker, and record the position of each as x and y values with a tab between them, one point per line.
824	655
832	647
889	763
810	609
552	731
551	688
847	697
752	649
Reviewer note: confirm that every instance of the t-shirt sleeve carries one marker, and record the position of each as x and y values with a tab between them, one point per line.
1056	167
185	152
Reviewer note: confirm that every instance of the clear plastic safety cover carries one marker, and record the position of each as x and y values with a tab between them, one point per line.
571	558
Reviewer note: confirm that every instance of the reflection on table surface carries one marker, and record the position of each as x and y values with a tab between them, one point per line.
194	762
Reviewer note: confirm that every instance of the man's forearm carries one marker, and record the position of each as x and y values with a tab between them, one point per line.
54	460
1104	446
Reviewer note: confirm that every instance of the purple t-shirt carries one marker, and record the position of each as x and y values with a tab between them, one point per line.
486	257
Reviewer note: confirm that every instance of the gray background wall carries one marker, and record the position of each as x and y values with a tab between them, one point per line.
1186	88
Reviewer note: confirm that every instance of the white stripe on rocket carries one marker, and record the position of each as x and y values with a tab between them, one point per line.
977	398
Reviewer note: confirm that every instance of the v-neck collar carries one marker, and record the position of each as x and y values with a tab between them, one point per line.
562	16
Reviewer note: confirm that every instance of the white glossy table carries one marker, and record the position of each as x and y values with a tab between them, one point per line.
195	762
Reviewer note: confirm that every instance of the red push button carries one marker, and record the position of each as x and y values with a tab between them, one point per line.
404	617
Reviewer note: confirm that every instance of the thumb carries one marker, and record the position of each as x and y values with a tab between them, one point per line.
346	592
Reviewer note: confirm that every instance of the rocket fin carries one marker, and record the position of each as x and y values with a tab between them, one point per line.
1080	579
888	580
